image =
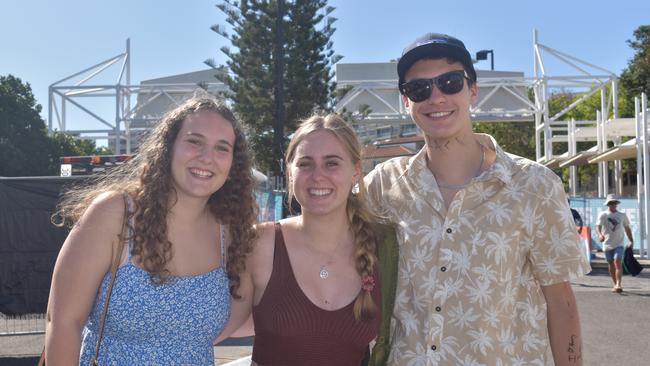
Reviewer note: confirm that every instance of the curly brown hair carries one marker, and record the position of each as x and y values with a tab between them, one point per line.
147	178
360	218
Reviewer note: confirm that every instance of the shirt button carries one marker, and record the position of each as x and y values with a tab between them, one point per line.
438	308
433	347
443	268
449	230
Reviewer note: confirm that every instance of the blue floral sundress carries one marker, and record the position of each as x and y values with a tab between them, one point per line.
170	324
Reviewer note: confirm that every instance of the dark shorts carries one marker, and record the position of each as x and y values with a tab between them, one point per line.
616	253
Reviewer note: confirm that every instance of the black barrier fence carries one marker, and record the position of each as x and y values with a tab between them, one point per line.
30	243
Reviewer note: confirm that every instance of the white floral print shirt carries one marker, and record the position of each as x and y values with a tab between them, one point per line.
470	277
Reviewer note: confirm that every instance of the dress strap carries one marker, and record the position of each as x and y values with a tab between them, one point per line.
222	235
280	254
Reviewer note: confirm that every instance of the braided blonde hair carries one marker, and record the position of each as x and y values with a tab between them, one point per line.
359	216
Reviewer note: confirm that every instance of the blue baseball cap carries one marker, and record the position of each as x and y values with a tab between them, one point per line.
435	45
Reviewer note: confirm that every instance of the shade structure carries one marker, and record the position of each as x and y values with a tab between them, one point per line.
621	152
580	158
555	161
613	127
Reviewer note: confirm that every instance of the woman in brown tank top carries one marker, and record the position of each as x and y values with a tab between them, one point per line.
310	280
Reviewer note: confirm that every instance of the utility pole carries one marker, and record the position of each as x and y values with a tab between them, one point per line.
278	92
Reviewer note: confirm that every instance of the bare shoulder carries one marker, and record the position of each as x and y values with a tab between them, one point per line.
88	248
261	258
265	235
290	223
111	200
105	214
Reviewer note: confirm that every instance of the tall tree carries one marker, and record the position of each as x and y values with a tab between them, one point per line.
25	147
279	67
23	135
635	79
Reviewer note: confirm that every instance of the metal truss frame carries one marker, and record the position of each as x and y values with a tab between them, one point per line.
510	85
118	126
550	129
62	93
371	87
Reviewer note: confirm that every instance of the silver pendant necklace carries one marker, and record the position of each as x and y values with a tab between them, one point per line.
324	273
467	182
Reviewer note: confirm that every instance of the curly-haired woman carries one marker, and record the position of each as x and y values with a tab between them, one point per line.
311	281
191	212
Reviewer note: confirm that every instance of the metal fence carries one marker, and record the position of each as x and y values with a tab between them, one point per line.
22	324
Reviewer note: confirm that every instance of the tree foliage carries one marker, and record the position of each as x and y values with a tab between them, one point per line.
308	56
586	111
25	147
514	137
23	136
635	79
62	144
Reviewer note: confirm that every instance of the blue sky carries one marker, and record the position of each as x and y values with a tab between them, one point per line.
43	41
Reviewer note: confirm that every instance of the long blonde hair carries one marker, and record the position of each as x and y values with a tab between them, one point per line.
359	216
147	179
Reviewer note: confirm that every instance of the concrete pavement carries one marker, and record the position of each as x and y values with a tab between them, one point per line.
615	327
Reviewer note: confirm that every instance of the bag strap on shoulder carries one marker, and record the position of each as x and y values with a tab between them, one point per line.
124	236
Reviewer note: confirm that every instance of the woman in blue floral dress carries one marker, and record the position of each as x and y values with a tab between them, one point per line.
190	210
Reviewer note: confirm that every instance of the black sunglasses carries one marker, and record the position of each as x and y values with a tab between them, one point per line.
449	83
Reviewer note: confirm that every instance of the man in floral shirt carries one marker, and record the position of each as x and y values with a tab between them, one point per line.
487	244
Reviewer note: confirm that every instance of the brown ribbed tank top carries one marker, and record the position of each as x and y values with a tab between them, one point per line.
290	330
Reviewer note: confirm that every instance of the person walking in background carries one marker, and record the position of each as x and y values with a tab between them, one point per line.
190	210
311	280
612	224
487	245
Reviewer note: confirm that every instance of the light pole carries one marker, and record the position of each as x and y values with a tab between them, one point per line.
482	55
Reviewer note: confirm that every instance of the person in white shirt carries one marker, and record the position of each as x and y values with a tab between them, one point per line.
610	228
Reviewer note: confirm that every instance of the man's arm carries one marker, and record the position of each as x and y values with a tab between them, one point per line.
628	231
563	324
599	232
626	228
